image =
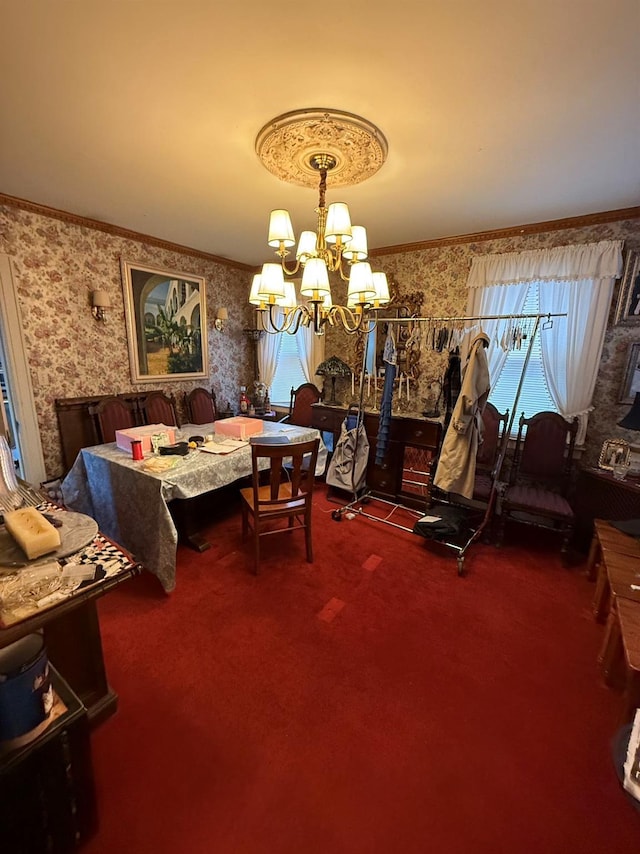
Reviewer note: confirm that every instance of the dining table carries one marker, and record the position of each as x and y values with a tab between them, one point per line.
131	499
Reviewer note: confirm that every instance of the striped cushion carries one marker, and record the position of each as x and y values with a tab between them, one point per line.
533	498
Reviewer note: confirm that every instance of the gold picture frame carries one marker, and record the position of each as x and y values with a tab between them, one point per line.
631	382
628	305
166	314
614	451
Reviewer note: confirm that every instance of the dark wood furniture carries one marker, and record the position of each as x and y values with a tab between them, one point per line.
47	791
540	477
79	425
302	399
494	426
159	408
598	495
281	497
113	414
406	472
201	406
72	638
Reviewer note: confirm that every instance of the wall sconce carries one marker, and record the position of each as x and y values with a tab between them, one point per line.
100	302
222	316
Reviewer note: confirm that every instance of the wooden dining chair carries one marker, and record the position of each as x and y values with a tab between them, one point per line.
111	414
540	479
300	404
494	424
160	408
201	406
287	494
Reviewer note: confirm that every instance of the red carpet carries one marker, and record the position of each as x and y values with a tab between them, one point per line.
372	702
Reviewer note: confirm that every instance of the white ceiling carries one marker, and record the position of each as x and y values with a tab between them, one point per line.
144	113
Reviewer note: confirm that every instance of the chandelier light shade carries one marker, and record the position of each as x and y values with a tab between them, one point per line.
280	229
319	142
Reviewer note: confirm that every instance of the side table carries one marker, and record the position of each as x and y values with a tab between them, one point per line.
598	495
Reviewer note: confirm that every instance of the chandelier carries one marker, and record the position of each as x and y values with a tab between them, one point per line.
298	147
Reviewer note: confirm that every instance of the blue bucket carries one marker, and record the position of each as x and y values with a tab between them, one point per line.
26	697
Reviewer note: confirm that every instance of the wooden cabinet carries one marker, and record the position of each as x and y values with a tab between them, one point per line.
406	471
47	791
598	495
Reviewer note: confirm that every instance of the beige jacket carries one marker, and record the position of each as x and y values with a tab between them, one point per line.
457	462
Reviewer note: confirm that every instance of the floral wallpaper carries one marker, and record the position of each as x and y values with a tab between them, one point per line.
57	263
56	266
438	277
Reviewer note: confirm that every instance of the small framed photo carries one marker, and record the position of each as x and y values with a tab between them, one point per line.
628	307
614	452
631	382
166	315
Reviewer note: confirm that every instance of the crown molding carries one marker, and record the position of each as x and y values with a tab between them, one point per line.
118	231
583	221
514	231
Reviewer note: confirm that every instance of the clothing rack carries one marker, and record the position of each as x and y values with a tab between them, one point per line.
461	545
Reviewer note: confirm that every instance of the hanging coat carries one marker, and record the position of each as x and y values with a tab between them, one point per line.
456	469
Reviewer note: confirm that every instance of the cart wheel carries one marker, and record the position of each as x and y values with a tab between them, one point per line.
461	569
365	499
336	515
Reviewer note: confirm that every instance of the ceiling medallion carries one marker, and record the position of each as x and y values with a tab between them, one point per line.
297	145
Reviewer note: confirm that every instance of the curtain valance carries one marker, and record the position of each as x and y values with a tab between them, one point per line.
590	261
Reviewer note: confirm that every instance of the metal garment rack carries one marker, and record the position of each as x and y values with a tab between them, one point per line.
459	546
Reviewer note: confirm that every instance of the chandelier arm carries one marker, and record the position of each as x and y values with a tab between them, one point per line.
275	328
285	269
295	322
347	317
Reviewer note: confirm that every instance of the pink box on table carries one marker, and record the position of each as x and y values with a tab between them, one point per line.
124	437
238	427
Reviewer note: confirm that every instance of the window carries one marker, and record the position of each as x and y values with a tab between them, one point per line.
289	373
534	395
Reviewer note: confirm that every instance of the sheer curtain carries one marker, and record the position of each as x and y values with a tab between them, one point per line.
269	350
311	352
496	299
577	280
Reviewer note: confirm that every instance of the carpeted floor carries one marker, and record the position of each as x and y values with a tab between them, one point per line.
371	702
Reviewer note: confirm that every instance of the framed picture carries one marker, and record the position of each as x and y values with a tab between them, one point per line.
631	382
628	307
166	317
614	452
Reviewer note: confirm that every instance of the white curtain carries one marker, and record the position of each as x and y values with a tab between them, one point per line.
497	299
571	350
269	349
311	352
577	280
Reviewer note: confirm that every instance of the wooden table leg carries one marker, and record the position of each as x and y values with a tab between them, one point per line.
594	558
612	652
602	595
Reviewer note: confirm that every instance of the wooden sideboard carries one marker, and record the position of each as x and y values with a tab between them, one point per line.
406	470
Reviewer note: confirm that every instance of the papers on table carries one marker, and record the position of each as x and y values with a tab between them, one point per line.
226	446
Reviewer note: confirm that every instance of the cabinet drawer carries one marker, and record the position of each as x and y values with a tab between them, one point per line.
382	479
326	419
425	434
322	421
